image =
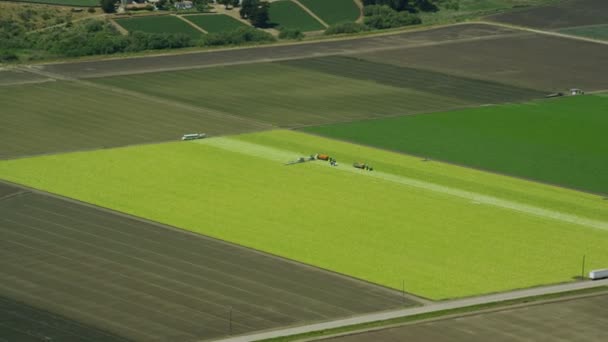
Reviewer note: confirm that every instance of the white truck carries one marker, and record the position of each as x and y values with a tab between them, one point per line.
194	136
598	274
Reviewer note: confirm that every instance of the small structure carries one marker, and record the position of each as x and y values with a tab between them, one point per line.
184	5
576	91
194	136
598	274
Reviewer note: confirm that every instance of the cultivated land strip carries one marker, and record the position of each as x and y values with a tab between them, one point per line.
311	13
283	155
441	306
160	283
545	32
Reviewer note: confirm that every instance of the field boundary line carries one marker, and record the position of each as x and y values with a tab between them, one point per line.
274	154
441	306
311	13
543	32
200	29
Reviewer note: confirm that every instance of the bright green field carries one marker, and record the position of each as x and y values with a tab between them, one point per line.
595	31
289	15
158	24
559	141
444	230
215	23
333	11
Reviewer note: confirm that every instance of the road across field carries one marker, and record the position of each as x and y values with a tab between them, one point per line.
147	282
583	319
262	54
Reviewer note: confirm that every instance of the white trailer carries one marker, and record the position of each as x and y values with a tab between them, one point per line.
194	136
598	274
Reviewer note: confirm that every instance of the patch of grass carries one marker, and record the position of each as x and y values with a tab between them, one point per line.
287	14
283	95
333	11
558	141
469	9
595	31
363	224
213	23
158	24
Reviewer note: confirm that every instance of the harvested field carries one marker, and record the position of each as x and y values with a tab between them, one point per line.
583	319
24	323
531	61
67	116
333	11
214	23
593	31
260	54
158	24
13	76
558	141
287	14
145	282
563	14
282	95
470	90
431	225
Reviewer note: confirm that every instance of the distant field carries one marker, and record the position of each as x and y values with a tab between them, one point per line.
583	319
558	141
467	89
215	23
445	231
84	3
158	24
529	61
10	77
594	31
66	116
562	14
333	11
283	95
287	14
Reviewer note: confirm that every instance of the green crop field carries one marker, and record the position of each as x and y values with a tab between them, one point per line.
158	24
215	23
444	230
560	141
284	95
287	14
84	3
333	11
594	31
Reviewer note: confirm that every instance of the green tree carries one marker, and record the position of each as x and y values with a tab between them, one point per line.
108	6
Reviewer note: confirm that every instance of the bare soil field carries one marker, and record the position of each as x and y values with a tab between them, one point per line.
530	61
67	116
259	54
147	282
560	15
10	77
583	319
24	323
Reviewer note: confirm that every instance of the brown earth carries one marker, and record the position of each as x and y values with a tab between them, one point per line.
529	61
147	282
261	54
561	15
583	319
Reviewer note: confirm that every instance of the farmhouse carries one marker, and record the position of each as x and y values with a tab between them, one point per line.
184	5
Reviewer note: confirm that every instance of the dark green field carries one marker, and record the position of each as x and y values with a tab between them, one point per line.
87	267
215	23
593	31
158	24
287	14
333	11
583	319
558	141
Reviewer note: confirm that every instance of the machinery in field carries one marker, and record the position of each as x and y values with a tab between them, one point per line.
194	136
598	274
363	166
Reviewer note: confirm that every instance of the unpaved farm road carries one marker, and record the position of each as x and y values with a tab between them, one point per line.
440	306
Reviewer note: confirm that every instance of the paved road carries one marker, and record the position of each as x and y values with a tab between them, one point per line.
447	305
